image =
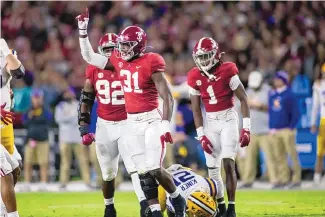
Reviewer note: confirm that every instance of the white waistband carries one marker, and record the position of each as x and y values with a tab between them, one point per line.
110	122
220	114
145	115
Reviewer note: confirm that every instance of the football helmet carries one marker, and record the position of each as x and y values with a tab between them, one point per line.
131	42
201	204
107	43
206	54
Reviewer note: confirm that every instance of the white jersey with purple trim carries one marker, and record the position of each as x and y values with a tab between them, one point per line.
188	182
5	79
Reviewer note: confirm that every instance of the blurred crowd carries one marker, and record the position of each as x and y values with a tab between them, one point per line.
258	36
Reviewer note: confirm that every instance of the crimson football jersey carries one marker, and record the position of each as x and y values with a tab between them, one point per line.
217	95
140	92
109	93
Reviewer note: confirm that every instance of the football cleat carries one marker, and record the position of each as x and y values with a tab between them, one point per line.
110	211
179	204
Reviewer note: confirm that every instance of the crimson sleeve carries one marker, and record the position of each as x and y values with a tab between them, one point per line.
191	80
89	72
230	70
157	63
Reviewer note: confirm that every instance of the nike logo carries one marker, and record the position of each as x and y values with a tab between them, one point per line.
138	67
217	79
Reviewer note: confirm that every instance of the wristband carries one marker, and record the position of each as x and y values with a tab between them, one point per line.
83	130
247	123
82	31
200	132
165	125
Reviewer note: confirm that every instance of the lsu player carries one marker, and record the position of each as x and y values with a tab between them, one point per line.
319	103
10	67
109	138
215	83
148	131
199	192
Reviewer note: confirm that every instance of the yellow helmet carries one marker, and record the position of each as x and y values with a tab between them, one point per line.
201	204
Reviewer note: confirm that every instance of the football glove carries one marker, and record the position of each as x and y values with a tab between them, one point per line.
166	136
245	137
6	117
206	144
83	20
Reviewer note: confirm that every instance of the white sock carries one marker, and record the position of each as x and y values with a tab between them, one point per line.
317	177
215	174
155	207
109	201
174	194
231	202
137	187
13	214
2	208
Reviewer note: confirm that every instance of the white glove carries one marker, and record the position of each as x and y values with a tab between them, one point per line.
83	20
4	47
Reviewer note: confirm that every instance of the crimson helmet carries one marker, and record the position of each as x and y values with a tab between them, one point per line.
131	42
107	43
206	54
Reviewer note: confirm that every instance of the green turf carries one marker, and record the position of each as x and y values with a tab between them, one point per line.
249	203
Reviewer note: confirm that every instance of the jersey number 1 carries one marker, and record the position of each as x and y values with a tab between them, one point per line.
213	99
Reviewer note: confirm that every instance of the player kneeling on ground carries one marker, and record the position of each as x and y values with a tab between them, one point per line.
200	193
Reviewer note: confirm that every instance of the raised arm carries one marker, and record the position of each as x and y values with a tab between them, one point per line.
87	51
14	66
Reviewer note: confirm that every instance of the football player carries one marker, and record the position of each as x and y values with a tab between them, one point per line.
148	131
199	192
107	88
319	102
10	67
215	82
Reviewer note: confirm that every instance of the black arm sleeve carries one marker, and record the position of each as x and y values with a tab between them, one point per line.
87	98
18	73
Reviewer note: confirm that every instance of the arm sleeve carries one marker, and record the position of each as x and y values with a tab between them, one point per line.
90	56
295	112
234	82
157	63
315	107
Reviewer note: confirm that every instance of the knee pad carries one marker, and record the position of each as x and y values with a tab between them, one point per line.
149	186
215	173
109	175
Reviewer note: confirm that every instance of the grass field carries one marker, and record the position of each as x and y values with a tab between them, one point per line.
249	203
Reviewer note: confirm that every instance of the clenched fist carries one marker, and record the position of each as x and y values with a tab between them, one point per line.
83	20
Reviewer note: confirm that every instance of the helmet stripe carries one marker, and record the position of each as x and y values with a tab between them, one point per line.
200	43
109	37
212	187
201	205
